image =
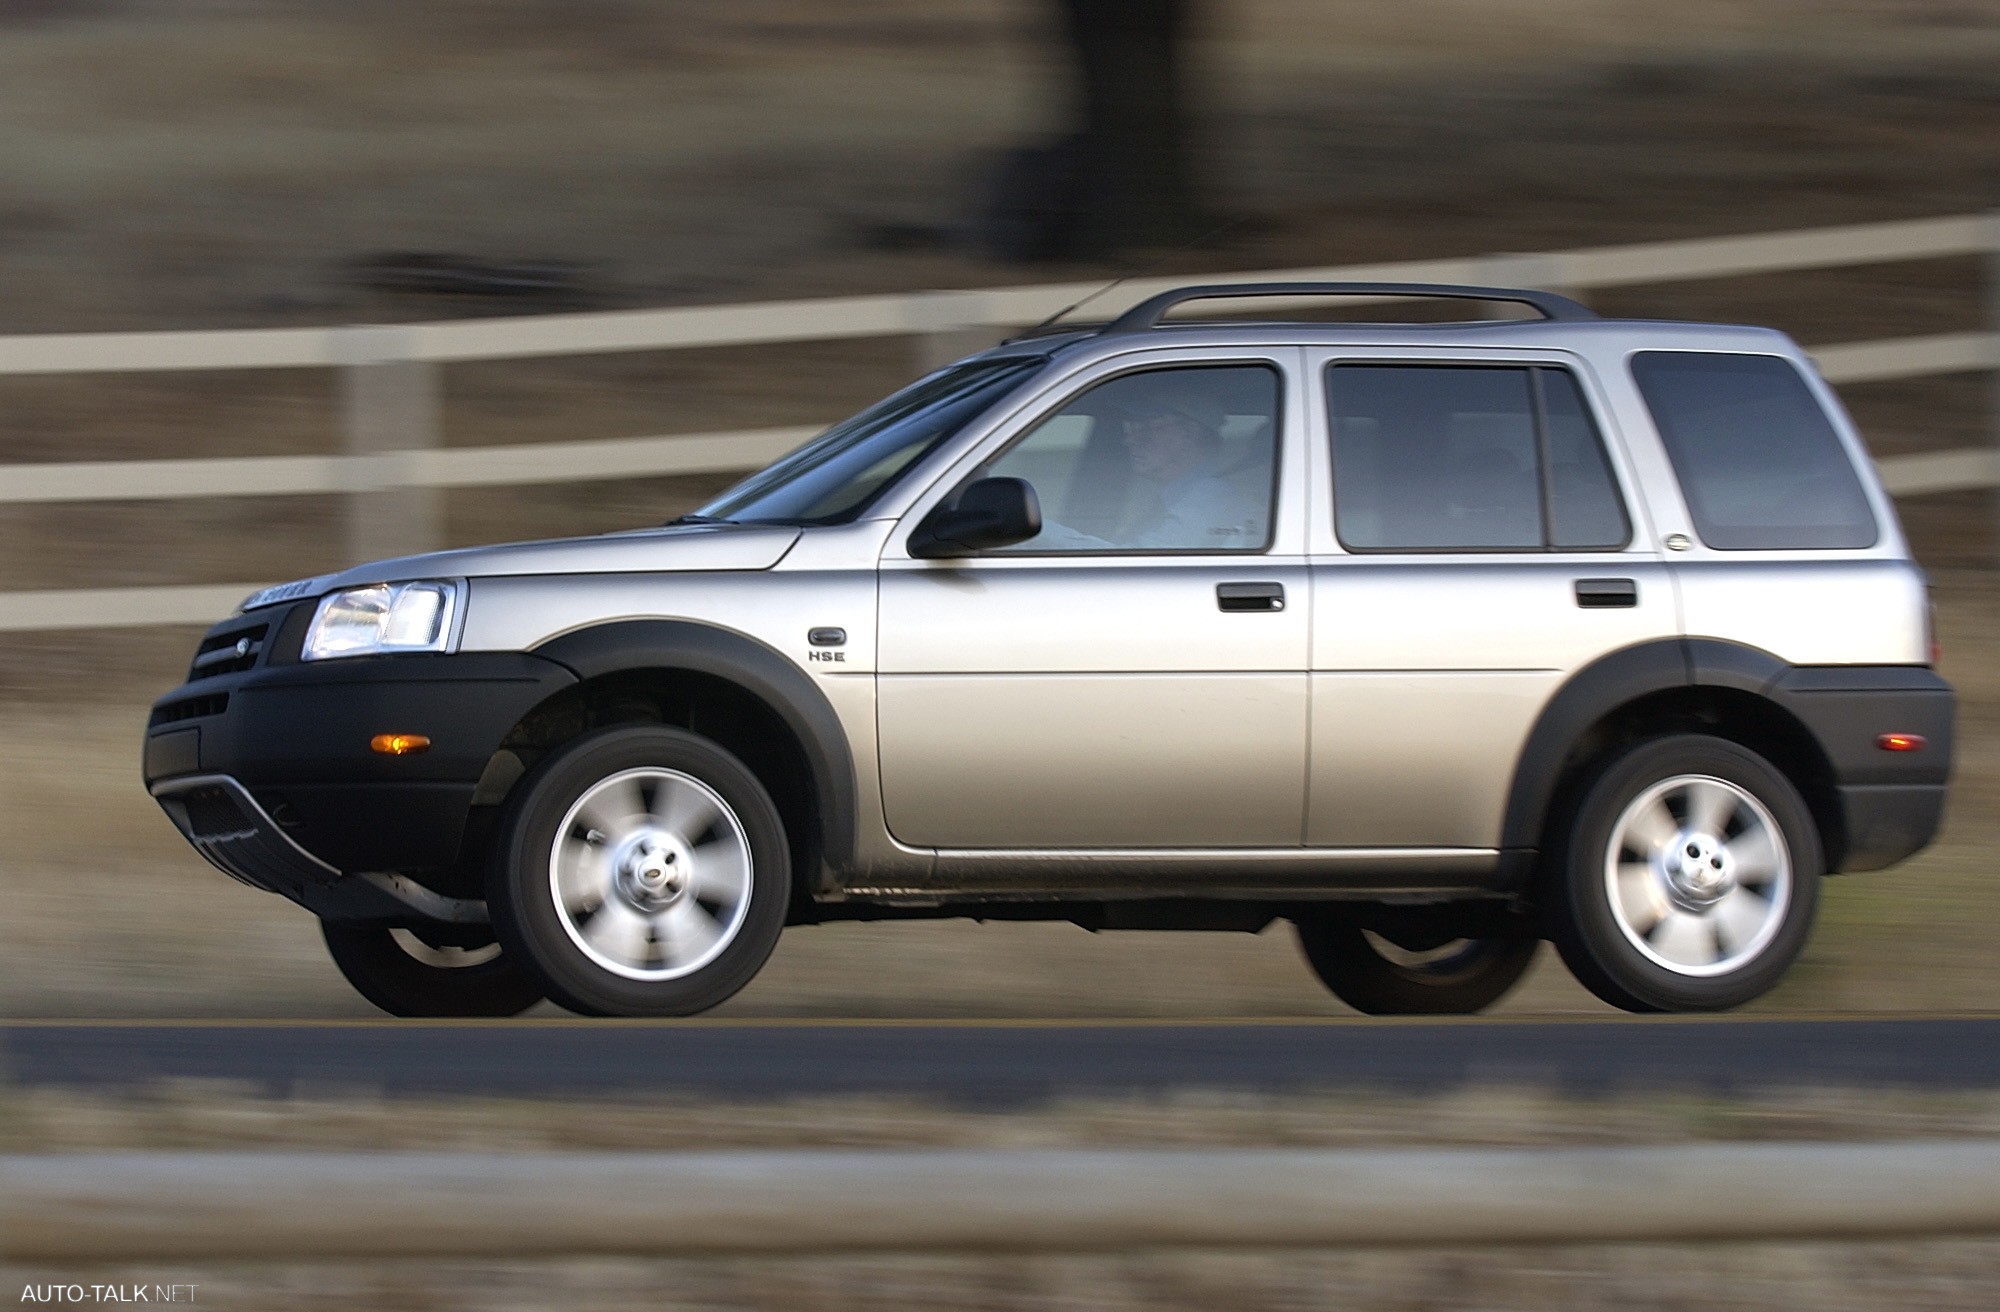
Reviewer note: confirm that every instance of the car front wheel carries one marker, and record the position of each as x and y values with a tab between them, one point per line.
1690	877
644	871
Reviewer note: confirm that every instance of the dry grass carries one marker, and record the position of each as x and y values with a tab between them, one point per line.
1889	1277
204	161
215	1116
1940	1275
1898	1276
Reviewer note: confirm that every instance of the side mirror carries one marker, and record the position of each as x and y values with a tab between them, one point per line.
993	512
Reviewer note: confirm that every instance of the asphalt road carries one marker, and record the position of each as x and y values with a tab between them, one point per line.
1005	1061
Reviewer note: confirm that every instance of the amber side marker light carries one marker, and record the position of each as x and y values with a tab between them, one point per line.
1901	742
399	744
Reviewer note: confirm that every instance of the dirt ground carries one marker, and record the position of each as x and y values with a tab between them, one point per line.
210	163
1938	1275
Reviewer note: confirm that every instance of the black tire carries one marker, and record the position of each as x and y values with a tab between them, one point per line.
1598	922
383	966
641	949
1462	977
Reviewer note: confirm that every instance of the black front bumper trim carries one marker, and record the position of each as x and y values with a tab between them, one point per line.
223	822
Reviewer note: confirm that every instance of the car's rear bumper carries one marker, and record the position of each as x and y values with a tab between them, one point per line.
1888	824
1892	802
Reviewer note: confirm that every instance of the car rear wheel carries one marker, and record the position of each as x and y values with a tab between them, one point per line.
404	975
1373	974
644	871
1690	878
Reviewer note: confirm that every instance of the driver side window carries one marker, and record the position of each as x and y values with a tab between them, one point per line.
1168	460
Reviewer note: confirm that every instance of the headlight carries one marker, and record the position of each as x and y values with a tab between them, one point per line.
388	617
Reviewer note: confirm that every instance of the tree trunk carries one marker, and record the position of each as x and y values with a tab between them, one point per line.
1133	183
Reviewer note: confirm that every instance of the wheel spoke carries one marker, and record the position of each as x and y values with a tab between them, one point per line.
1710	808
1684	938
1738	918
682	811
619	932
1641	900
583	874
1754	856
721	871
613	807
1651	829
685	932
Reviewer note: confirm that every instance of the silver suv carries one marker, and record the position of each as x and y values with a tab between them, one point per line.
1435	640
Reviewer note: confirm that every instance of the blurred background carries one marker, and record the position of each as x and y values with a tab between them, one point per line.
186	164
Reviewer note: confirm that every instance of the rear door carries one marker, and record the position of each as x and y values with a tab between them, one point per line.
1476	545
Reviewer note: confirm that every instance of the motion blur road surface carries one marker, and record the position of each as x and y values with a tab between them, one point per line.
1008	1061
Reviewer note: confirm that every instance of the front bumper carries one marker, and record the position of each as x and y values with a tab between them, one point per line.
268	771
226	825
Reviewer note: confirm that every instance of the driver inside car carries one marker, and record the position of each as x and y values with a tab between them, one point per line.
1172	438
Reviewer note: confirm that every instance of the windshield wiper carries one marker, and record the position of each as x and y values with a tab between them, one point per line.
698	519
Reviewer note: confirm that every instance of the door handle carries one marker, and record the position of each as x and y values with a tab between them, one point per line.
1250	596
1606	594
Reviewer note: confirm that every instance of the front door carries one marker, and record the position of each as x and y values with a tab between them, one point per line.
1134	676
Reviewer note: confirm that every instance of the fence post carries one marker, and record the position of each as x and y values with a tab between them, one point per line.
1992	325
389	410
948	325
1541	271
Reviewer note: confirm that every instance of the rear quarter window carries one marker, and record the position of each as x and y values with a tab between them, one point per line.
1758	460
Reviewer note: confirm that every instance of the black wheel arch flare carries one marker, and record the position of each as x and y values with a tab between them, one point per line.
630	646
1597	694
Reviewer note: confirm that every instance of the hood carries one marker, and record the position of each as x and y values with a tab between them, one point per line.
685	547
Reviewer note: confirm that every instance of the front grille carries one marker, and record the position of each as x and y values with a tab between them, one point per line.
189	708
229	652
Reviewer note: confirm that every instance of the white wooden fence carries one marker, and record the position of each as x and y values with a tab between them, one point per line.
393	464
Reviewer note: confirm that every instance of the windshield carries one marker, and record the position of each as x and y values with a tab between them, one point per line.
834	477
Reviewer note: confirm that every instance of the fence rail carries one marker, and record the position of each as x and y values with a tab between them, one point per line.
479	466
392	455
81	608
318	1206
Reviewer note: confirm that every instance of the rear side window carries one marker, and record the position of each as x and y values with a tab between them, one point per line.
1758	460
1468	458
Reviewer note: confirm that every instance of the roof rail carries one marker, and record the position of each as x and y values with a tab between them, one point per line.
1148	313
